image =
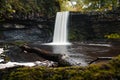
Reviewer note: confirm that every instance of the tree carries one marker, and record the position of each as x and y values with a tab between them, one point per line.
90	5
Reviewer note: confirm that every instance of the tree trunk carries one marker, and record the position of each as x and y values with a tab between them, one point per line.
47	55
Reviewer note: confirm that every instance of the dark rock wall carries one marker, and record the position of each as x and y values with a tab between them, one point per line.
93	25
82	26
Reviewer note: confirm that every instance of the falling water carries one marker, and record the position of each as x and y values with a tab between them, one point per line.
60	31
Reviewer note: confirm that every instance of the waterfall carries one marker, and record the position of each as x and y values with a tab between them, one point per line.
60	36
60	31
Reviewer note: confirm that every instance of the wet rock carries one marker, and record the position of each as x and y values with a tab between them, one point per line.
16	54
46	63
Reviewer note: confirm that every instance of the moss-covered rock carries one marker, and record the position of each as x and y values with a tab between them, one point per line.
100	71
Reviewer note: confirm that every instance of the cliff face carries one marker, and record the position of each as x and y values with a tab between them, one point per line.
94	25
82	26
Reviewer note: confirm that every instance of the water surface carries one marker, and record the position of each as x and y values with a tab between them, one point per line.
82	53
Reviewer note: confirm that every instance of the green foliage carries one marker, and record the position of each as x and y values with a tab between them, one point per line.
48	8
89	5
100	71
101	5
11	8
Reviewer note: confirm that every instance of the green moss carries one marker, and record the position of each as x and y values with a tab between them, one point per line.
19	43
101	71
6	59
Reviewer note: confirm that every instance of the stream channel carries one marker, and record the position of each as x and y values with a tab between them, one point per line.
78	53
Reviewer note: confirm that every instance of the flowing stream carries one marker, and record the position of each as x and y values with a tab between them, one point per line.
75	53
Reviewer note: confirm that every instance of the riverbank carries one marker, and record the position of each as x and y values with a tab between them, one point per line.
100	71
